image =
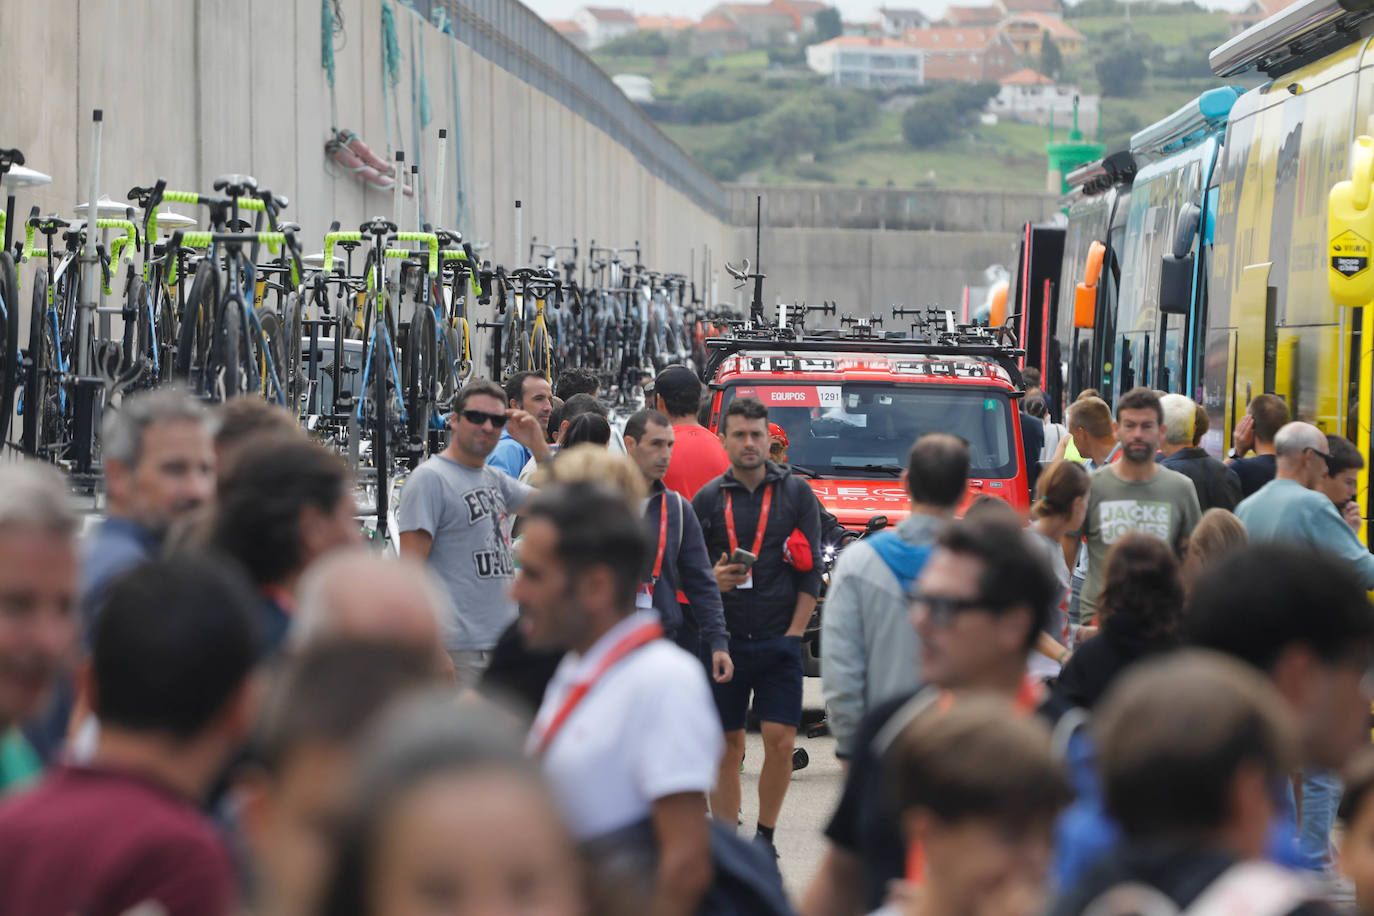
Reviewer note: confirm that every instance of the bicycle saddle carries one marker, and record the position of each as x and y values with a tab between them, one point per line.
239	225
236	185
48	225
378	225
449	239
290	227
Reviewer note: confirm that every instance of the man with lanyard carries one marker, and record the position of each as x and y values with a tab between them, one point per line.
649	443
979	605
626	732
768	603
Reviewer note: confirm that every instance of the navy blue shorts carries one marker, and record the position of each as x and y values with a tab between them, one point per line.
770	669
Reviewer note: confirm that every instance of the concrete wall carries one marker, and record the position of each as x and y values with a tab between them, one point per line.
192	90
921	209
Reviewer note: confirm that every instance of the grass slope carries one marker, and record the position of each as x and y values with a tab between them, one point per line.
1007	155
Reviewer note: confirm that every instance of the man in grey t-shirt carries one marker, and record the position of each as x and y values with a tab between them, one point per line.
455	515
1135	493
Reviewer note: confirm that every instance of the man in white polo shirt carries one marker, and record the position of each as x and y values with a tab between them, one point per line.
628	732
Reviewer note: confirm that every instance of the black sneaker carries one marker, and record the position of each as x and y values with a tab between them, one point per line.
766	845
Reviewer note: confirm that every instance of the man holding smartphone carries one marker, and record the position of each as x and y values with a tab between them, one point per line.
763	525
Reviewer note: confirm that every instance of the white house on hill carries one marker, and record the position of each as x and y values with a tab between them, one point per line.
1031	97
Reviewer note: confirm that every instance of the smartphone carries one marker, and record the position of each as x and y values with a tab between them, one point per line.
742	557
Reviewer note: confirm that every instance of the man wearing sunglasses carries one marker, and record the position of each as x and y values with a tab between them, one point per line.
978	607
455	514
1292	508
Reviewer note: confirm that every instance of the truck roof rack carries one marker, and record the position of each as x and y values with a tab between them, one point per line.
968	341
1294	36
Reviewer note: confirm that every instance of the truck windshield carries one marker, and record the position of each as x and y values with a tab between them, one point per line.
865	429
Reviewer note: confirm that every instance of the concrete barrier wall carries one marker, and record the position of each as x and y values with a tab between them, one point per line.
920	209
193	90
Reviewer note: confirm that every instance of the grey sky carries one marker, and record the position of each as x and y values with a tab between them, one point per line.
853	10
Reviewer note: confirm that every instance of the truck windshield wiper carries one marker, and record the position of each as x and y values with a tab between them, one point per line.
892	469
805	472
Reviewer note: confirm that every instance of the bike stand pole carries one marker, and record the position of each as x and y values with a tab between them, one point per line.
88	392
90	260
438	215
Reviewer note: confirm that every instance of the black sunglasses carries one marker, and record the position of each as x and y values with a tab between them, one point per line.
1325	456
942	609
477	418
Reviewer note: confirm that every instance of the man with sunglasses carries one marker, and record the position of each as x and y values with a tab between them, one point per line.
1293	508
978	606
455	515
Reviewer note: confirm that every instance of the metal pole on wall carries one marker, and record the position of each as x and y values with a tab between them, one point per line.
438	215
90	260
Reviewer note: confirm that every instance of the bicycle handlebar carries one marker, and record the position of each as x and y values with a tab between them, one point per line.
431	240
330	238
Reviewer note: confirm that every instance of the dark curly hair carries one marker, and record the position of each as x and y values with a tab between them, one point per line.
1142	580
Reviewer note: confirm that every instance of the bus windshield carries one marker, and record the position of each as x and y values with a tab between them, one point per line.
865	429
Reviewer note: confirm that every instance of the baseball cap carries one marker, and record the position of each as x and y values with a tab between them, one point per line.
675	380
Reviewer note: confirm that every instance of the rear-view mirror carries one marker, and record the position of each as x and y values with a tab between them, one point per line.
1176	285
1189	219
1084	305
1092	271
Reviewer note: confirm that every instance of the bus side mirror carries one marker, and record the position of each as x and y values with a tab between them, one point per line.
1085	293
1176	284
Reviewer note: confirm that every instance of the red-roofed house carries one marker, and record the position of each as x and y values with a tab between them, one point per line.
1033	98
803	13
1048	7
1254	14
602	24
962	17
571	31
715	34
761	23
663	24
867	62
964	55
1027	32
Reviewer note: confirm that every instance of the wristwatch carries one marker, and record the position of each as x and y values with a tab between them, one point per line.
1233	454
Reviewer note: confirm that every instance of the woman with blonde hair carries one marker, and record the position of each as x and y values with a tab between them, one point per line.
1218	532
1061	503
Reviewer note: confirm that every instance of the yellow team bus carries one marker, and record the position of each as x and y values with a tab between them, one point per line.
1271	322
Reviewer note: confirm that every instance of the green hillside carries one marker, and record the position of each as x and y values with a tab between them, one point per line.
761	116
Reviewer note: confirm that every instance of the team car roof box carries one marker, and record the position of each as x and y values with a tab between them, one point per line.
1296	35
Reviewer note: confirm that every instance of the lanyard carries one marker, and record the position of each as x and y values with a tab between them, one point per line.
763	520
662	536
636	638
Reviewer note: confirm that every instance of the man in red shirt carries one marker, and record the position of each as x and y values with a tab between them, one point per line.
169	680
698	455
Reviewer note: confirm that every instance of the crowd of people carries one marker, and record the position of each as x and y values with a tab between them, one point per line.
1150	696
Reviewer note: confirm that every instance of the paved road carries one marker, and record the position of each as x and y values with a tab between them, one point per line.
810	801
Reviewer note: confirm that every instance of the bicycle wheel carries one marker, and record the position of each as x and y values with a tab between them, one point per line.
9	347
138	343
42	386
419	373
293	329
541	357
274	333
224	370
380	403
194	337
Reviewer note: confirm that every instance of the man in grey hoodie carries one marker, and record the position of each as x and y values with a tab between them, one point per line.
868	644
